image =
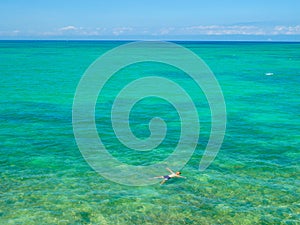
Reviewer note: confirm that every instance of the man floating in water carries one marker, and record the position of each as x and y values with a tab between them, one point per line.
168	177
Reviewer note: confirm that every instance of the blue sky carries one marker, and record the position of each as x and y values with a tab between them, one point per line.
111	19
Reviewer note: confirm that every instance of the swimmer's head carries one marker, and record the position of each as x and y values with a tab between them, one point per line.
178	173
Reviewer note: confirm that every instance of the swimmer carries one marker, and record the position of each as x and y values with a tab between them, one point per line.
168	177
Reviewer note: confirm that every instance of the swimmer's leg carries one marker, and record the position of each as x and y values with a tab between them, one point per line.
163	181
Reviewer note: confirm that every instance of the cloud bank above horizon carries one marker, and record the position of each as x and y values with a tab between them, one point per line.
126	31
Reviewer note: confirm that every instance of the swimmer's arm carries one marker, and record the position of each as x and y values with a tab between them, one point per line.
181	176
169	170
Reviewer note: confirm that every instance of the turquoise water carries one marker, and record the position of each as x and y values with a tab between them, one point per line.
255	178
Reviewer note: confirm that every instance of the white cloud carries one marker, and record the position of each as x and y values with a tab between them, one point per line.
241	30
121	30
166	31
77	31
67	28
10	33
224	30
289	30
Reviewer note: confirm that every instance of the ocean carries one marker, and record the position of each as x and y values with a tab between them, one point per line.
254	179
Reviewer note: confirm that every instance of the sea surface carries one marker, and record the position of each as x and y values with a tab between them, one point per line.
255	178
